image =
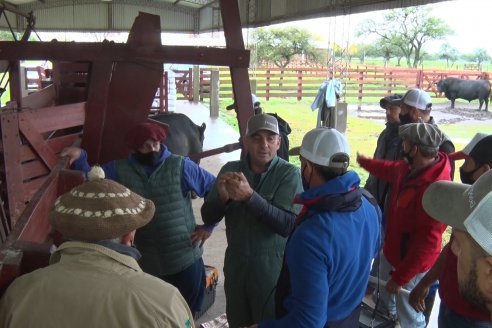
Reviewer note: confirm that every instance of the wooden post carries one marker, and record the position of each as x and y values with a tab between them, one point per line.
299	85
196	83
214	93
267	85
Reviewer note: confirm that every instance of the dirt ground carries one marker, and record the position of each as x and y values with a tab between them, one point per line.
442	113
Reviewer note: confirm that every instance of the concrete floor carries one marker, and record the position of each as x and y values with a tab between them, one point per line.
217	134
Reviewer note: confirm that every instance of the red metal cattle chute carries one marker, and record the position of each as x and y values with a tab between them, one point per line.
104	88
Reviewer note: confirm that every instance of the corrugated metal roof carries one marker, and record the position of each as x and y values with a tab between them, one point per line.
192	16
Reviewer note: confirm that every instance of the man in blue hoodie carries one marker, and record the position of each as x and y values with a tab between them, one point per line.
329	253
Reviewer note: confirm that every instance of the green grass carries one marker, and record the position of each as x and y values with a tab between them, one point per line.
362	133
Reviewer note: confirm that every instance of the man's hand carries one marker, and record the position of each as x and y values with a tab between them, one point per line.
359	156
238	187
417	297
392	287
199	236
221	187
73	154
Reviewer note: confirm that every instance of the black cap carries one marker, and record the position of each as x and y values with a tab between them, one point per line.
384	102
482	152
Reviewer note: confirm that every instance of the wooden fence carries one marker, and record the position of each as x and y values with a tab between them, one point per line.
364	83
360	82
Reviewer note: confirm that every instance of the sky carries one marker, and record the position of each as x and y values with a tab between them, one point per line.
468	18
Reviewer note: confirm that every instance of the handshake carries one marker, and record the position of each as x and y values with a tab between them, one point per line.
233	186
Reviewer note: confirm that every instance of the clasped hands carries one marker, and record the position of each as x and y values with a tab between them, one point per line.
233	186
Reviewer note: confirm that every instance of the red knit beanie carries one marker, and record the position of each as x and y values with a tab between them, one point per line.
142	132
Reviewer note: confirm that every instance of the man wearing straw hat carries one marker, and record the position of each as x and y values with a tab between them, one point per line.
93	279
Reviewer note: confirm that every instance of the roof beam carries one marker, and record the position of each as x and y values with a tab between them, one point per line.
90	51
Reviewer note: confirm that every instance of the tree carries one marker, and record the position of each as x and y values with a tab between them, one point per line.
280	45
478	56
407	29
449	53
6	36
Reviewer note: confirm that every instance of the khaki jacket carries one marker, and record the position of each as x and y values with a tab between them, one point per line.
88	285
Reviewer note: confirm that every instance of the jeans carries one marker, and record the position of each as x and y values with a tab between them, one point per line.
450	319
398	303
191	284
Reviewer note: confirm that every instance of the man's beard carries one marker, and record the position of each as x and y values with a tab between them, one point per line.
469	290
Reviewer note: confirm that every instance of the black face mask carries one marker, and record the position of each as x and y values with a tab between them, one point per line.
149	159
408	157
467	177
405	119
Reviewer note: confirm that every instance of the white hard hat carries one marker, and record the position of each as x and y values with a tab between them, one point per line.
320	145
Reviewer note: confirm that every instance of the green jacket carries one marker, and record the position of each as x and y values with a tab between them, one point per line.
165	243
246	235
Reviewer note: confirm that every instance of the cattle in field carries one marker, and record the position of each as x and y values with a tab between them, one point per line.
185	137
455	88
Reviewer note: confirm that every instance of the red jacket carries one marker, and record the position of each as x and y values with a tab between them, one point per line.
412	240
449	290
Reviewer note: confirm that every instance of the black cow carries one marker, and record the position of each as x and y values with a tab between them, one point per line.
185	137
455	88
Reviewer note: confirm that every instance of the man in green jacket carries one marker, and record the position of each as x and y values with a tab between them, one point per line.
93	279
255	195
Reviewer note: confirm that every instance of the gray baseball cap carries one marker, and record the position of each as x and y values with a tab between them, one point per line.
262	122
423	134
463	207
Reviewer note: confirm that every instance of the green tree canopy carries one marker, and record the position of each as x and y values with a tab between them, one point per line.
478	56
280	45
407	29
448	53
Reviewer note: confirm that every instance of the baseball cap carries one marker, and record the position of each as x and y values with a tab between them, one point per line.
416	98
479	225
262	122
424	134
479	148
384	102
452	202
320	145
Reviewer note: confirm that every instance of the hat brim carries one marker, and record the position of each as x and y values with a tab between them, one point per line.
396	102
445	202
456	156
295	151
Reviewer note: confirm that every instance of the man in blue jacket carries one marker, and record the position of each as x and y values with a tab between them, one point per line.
329	253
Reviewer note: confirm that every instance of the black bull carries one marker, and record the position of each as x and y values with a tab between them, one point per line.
185	137
455	88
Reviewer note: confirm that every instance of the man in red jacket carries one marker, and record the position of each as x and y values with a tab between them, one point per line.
412	238
455	311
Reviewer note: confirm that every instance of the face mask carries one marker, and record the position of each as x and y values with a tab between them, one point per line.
467	177
149	159
408	157
405	119
305	183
